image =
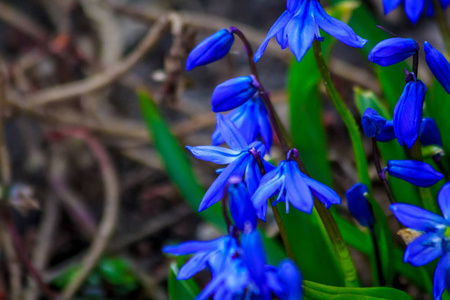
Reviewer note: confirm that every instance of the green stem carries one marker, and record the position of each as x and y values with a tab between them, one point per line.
357	146
347	117
443	25
428	201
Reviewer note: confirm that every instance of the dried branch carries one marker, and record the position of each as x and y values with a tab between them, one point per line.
110	212
108	76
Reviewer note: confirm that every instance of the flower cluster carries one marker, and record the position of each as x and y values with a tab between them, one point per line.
414	8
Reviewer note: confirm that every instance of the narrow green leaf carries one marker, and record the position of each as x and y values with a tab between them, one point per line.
181	289
318	291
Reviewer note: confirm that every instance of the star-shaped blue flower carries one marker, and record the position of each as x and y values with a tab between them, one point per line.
434	238
239	159
299	25
292	186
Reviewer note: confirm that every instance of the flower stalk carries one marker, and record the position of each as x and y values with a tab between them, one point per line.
443	25
376	159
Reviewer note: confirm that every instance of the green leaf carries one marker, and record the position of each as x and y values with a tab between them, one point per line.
181	289
117	272
318	291
180	172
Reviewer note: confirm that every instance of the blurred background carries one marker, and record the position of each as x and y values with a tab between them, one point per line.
84	193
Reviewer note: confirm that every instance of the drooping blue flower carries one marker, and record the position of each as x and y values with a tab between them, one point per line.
299	25
215	254
413	8
233	93
392	51
241	207
408	113
429	133
415	172
372	122
252	121
292	187
387	133
210	49
433	241
290	281
439	66
359	206
239	159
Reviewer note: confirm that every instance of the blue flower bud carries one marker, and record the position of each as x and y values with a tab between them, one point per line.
290	279
429	133
241	207
233	93
210	49
392	51
415	172
387	133
372	122
358	205
254	256
438	65
408	113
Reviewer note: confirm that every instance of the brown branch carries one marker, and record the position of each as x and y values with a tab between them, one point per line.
108	76
110	212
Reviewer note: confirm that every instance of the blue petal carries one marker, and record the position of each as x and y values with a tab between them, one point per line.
241	207
301	31
408	113
440	276
215	283
444	200
276	27
423	250
358	205
264	126
210	49
413	9
336	28
390	5
194	247
193	266
297	192
230	133
254	257
415	172
325	194
232	93
429	133
215	191
217	155
267	187
372	122
387	133
438	65
237	117
291	280
418	218
392	51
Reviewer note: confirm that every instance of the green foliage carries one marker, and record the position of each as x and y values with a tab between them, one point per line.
315	291
181	289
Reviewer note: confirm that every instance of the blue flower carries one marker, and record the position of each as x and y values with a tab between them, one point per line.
358	205
433	241
241	207
429	133
239	159
413	8
210	49
299	25
392	51
408	113
372	122
415	172
292	186
215	255
290	280
233	93
387	133
252	121
438	65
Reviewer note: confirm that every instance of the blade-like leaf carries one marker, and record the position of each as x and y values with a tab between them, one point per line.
181	289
